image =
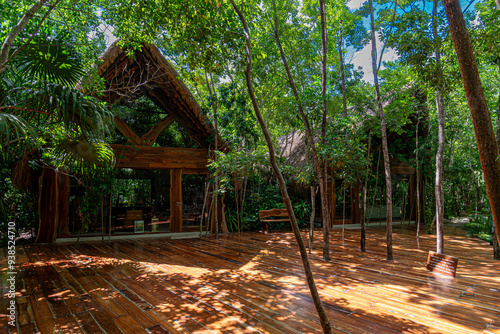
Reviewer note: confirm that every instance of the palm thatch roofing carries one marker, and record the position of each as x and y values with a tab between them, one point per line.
130	74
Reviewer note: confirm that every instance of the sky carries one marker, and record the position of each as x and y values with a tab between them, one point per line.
363	58
360	58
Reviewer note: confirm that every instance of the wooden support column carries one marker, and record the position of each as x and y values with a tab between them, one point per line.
48	198
355	204
175	200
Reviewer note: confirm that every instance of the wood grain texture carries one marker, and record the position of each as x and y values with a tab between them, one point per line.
202	285
175	200
145	157
273	213
149	138
158	80
127	132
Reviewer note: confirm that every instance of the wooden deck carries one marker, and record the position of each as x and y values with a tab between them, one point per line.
203	286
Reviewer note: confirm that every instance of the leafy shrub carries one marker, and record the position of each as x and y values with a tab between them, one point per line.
481	227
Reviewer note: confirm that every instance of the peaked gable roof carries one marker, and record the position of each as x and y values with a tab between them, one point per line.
147	73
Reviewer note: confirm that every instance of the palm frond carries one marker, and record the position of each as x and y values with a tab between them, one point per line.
82	157
14	128
51	57
72	108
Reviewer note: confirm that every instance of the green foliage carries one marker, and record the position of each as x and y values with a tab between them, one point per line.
263	196
132	192
481	227
16	206
51	57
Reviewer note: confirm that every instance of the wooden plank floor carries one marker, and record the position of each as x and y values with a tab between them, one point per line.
203	286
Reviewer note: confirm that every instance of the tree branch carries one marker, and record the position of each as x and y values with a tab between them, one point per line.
9	40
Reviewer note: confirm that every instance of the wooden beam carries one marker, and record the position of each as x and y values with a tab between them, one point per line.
149	138
175	200
195	171
127	131
146	157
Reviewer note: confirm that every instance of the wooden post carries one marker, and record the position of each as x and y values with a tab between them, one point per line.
175	200
48	199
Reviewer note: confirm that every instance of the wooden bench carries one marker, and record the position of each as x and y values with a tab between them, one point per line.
273	215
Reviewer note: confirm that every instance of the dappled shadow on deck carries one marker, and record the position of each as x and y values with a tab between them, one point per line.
202	285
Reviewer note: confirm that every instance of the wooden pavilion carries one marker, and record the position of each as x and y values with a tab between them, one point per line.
127	77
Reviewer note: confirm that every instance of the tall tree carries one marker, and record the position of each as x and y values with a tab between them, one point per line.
324	176
325	322
439	186
383	128
320	165
481	119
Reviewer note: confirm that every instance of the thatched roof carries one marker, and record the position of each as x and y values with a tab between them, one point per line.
294	148
146	72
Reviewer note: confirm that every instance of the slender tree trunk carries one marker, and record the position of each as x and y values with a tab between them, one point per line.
213	103
494	239
418	178
498	4
362	241
385	146
481	119
363	195
237	198
109	221
317	163
313	214
325	322
203	208
342	73
102	218
439	186
324	193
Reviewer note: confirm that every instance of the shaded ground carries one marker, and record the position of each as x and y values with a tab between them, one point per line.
202	285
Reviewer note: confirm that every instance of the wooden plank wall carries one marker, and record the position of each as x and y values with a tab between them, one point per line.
175	200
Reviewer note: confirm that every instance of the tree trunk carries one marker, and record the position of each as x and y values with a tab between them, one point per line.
494	241
496	246
342	73
362	210
324	193
12	35
362	207
439	186
213	102
317	163
385	148
418	178
313	214
325	322
481	119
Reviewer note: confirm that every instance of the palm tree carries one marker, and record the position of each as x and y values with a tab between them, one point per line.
40	106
